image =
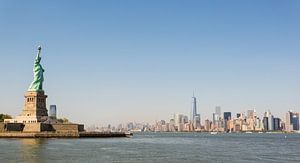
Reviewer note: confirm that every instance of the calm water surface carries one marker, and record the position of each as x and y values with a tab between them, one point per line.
157	147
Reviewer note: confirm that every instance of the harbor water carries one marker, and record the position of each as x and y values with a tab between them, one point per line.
157	147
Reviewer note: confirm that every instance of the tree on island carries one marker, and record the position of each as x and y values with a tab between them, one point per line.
4	116
63	120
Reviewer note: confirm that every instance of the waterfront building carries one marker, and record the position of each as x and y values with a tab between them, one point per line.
178	118
243	116
271	122
251	114
282	125
172	127
269	125
258	124
250	122
218	110
237	128
130	126
166	127
172	121
288	121
120	127
277	124
265	123
292	121
214	118
158	126
185	119
179	121
161	126
238	124
227	117
295	121
207	125
188	127
217	118
197	123
230	125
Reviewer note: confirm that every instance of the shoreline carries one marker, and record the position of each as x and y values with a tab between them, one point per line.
64	134
210	132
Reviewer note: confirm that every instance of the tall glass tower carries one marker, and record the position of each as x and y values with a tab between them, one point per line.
194	107
195	116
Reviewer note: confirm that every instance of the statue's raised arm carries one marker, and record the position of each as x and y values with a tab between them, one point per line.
38	56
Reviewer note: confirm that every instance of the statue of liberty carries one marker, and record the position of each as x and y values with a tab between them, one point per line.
38	71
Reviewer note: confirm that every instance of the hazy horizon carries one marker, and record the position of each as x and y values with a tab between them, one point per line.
120	61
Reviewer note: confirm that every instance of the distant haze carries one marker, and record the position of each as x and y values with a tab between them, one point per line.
119	61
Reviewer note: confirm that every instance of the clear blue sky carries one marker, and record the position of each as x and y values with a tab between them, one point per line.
118	61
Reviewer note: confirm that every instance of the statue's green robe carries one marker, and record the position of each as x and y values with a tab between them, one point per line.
37	83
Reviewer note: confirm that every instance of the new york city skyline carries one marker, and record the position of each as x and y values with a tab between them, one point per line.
135	61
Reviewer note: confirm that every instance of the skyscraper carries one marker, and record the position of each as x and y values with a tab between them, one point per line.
271	122
194	107
288	122
207	125
218	110
268	121
295	121
251	114
292	121
265	123
227	117
178	119
196	120
276	124
216	117
52	111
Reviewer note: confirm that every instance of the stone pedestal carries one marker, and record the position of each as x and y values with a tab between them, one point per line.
35	108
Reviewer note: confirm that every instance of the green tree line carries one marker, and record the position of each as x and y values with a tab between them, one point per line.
4	116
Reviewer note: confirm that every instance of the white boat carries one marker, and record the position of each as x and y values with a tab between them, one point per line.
213	133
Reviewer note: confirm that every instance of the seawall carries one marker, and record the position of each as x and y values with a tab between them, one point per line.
63	135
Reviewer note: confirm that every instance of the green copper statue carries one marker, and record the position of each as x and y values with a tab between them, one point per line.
37	83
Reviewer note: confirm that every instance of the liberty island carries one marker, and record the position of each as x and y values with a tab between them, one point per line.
34	121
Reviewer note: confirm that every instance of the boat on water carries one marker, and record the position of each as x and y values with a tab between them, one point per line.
213	133
248	132
129	134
